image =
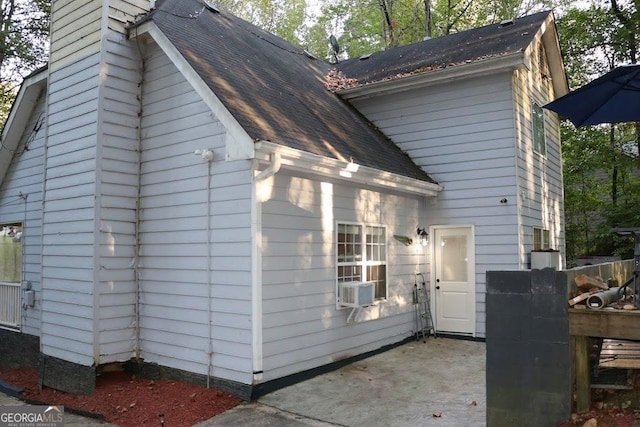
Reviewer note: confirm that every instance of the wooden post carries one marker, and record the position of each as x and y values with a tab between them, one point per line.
583	383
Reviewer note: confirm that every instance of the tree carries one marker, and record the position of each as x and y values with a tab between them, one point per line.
601	191
284	18
365	26
24	30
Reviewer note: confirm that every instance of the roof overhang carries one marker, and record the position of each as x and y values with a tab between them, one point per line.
554	56
440	76
20	114
239	144
305	162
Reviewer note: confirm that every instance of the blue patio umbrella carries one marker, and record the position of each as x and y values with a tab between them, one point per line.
611	98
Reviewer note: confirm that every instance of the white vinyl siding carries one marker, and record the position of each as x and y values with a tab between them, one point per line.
123	12
179	243
76	27
21	202
117	169
68	232
463	135
302	328
75	31
539	177
88	309
24	179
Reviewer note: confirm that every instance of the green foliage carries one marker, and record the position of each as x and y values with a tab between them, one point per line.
585	184
24	29
601	174
285	18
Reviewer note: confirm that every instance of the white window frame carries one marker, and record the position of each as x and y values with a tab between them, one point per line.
10	290
541	239
538	137
362	262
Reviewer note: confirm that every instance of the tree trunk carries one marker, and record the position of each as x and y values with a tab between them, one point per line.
428	19
8	10
614	171
386	7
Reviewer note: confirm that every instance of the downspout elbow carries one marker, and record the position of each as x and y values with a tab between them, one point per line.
272	169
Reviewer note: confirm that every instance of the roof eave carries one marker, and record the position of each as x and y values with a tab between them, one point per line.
302	161
476	68
554	56
19	116
238	144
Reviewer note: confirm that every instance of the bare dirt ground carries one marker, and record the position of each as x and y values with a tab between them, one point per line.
130	401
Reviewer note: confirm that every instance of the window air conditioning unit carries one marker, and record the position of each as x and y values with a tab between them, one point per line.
357	294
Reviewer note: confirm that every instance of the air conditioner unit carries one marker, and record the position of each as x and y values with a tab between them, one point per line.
357	294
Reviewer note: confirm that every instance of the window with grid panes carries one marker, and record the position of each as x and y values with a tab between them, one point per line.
362	255
537	125
541	239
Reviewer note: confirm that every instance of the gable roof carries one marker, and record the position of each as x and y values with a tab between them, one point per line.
274	89
490	41
19	115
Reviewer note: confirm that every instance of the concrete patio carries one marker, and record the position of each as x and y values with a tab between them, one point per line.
437	383
440	383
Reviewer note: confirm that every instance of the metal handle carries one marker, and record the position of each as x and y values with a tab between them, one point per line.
437	287
437	280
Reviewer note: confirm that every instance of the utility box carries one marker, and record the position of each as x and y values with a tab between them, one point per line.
545	259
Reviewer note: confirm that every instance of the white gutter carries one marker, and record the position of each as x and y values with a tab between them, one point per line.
303	161
444	75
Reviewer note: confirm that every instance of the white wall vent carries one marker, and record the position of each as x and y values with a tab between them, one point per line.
357	294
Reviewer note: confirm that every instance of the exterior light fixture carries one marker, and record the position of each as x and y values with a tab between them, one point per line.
423	236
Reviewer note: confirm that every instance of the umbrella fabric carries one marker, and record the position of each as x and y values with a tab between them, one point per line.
611	98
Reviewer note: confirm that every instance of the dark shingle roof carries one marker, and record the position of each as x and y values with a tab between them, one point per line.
460	48
274	90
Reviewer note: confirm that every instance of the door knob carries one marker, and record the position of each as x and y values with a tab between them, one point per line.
437	287
437	280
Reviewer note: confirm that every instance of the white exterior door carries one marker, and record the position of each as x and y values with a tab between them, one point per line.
453	280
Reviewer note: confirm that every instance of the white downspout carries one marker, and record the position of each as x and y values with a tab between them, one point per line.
272	169
256	256
207	156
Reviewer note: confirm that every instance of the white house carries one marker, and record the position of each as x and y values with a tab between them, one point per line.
200	198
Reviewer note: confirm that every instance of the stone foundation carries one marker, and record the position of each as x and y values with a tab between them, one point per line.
67	376
18	350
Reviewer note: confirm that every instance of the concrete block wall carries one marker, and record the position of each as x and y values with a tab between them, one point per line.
528	349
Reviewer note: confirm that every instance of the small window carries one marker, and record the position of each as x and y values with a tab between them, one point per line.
541	239
362	256
537	124
10	275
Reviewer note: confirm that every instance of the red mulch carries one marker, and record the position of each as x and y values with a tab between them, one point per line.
130	401
613	417
610	408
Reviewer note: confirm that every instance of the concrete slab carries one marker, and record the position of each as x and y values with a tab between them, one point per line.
439	383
